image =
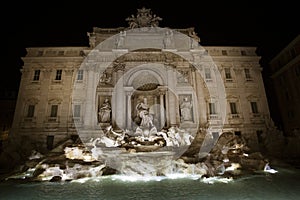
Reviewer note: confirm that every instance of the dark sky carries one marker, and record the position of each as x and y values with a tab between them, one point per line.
65	23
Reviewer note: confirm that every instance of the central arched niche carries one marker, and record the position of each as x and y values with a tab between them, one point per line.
146	81
153	72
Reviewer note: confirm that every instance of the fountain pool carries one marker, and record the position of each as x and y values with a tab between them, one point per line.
282	185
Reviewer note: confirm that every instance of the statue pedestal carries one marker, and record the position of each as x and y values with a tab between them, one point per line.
104	125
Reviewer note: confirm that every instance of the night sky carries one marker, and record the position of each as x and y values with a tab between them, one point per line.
218	23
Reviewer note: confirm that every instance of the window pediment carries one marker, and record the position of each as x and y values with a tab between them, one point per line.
55	101
32	101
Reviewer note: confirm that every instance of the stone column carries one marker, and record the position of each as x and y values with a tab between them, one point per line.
45	86
201	92
156	111
119	111
128	115
89	99
193	69
162	108
196	105
95	104
172	100
66	108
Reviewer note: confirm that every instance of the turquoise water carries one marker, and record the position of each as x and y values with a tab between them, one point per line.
282	185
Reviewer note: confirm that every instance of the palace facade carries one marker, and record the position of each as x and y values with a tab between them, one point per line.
66	91
285	82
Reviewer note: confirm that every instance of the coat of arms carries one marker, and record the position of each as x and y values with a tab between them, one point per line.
144	18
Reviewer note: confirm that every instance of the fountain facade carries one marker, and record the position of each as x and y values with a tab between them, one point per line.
143	95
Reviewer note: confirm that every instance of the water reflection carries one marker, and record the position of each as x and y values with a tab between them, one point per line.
282	185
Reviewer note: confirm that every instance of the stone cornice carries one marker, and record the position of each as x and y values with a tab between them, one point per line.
285	49
235	59
52	59
108	30
286	67
57	48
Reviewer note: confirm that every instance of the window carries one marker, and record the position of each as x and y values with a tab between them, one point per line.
54	109
233	108
259	134
40	53
212	108
227	73
254	107
224	52
297	70
207	73
293	52
58	74
287	95
291	114
30	111
50	140
36	75
247	74
80	75
237	133
243	53
281	80
77	109
61	53
279	63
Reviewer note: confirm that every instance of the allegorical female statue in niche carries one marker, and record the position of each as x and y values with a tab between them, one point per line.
186	110
104	112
